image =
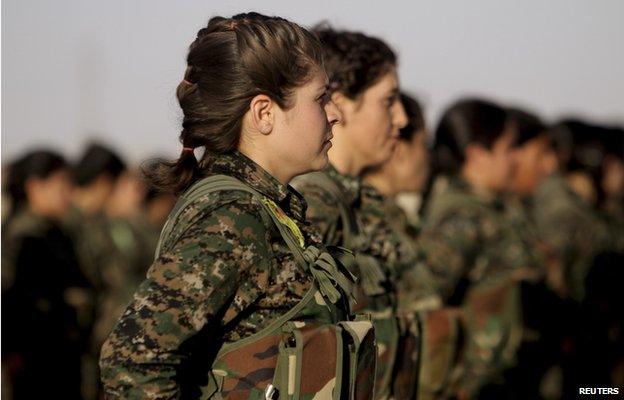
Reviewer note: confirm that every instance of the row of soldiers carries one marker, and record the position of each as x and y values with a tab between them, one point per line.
503	278
543	247
77	239
502	283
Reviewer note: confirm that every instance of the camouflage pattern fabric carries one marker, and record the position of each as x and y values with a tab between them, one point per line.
416	292
475	258
572	229
333	200
224	275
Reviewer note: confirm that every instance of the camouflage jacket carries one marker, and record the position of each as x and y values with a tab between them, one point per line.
386	225
467	238
613	212
228	276
379	299
474	255
574	230
518	215
92	242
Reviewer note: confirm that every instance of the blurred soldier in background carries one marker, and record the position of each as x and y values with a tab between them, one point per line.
95	176
421	366
468	244
44	302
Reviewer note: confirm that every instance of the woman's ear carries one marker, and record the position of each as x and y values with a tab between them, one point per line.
262	110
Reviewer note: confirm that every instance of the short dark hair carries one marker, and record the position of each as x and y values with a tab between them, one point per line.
34	164
527	126
97	160
415	117
466	121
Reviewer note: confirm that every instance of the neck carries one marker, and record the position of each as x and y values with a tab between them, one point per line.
342	155
275	168
87	200
475	178
381	182
39	211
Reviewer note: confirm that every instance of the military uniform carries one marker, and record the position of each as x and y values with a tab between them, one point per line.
389	228
335	209
572	229
474	256
42	307
222	276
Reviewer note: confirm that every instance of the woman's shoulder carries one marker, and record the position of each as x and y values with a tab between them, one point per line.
322	200
26	224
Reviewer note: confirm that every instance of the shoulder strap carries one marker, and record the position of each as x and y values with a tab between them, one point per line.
322	266
215	183
351	228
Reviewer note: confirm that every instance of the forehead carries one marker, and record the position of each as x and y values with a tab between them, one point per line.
387	83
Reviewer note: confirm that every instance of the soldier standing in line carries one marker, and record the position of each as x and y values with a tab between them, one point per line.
242	301
129	256
473	254
43	339
541	335
566	211
394	240
365	87
564	206
95	176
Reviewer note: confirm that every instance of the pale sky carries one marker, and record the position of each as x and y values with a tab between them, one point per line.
72	69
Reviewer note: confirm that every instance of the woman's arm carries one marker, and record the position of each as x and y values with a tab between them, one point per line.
217	269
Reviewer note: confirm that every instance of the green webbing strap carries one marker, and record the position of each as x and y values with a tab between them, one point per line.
320	264
372	276
351	230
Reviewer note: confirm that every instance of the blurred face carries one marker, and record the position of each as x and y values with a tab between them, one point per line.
613	177
303	133
495	166
372	122
127	196
50	196
409	164
534	161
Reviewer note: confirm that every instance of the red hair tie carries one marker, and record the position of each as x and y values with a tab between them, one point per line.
185	149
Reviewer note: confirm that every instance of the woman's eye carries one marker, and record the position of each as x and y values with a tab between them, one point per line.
323	99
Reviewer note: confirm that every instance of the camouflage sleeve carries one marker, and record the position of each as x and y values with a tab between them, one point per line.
214	272
323	211
447	248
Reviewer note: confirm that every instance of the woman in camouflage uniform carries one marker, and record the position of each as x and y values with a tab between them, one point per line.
364	83
241	300
45	293
473	253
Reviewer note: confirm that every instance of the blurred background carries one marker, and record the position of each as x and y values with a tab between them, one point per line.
73	70
88	94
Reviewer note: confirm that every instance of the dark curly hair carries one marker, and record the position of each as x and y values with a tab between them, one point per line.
231	61
354	61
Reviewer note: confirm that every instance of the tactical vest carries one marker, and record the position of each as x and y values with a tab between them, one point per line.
313	351
375	292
